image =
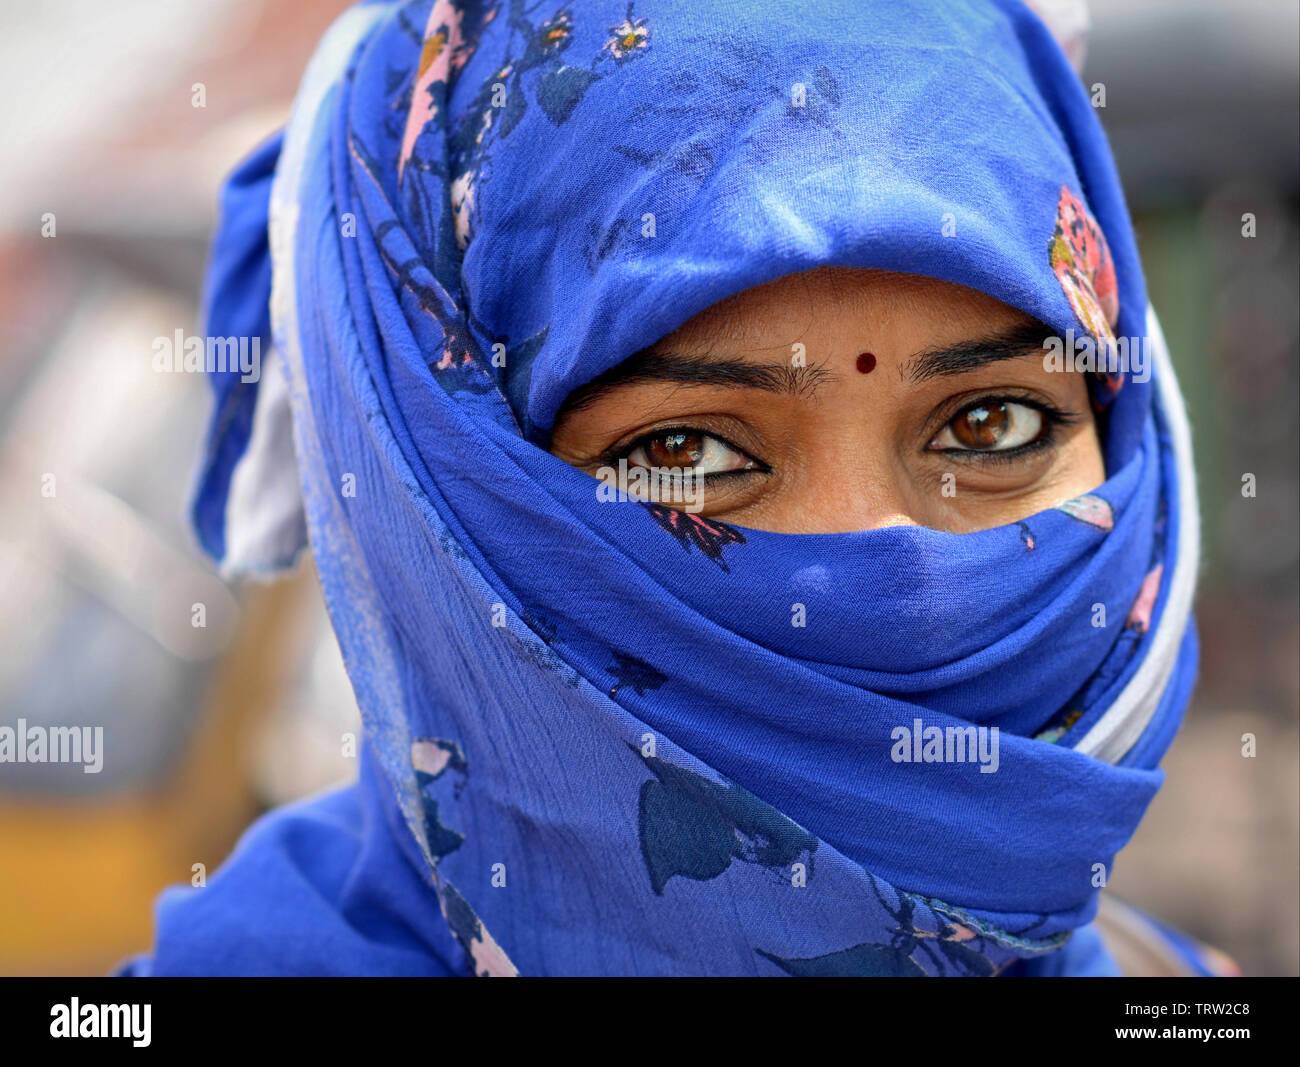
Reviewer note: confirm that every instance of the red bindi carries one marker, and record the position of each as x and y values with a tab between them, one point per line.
866	363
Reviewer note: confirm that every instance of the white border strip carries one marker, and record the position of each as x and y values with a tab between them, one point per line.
1118	729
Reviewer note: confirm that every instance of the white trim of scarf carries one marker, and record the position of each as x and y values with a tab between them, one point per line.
1069	22
375	685
264	520
1119	728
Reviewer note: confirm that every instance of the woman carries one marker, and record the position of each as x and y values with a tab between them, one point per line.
742	560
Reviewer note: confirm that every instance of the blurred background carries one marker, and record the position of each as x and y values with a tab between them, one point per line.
120	122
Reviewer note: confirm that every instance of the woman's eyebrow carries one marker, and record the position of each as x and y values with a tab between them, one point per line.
658	365
970	355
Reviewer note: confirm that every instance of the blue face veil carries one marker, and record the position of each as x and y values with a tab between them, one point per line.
594	741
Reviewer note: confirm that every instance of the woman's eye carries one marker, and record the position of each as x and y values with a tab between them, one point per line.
702	452
991	426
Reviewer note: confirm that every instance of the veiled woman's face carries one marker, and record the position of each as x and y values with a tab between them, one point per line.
841	399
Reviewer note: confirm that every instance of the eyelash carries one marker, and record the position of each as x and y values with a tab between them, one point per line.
612	457
1053	417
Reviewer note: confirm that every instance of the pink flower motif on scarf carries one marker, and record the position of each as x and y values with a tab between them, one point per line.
1082	264
1139	616
443	54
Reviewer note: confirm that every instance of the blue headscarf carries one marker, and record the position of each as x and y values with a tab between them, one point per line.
594	742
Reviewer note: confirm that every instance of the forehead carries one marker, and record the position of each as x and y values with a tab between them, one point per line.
828	300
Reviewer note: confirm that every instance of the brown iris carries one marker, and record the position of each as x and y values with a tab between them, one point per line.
982	426
675	449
